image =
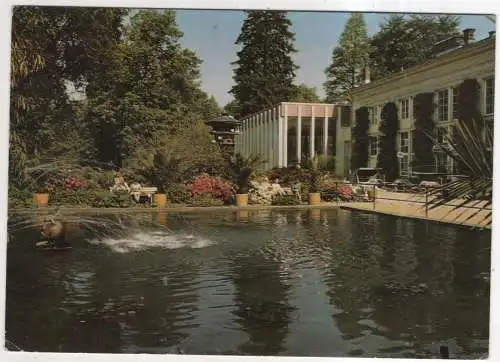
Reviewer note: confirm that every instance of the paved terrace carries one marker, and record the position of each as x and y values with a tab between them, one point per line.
413	206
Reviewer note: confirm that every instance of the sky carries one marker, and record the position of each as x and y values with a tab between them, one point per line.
212	34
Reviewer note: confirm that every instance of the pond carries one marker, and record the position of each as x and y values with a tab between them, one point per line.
330	282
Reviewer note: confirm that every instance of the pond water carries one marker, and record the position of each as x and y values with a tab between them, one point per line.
290	283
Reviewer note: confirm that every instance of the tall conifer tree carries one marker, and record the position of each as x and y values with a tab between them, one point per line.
349	59
264	70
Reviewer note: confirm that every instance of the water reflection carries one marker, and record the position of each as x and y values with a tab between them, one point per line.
313	282
261	296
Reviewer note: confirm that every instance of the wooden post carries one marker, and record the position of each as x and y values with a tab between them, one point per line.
374	198
426	201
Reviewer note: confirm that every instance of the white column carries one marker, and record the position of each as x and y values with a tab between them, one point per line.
312	133
280	138
252	134
256	134
325	132
299	134
285	137
245	138
259	133
269	139
264	135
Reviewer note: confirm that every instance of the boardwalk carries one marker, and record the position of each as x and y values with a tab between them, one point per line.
413	206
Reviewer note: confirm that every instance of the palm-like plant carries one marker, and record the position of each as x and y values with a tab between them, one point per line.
474	152
241	169
313	168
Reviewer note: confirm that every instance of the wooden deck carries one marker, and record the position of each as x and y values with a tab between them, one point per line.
413	206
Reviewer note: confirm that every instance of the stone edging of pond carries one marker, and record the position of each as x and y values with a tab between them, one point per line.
181	208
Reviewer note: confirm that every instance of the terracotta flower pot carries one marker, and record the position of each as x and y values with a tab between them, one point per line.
315	214
160	200
242	214
161	218
314	198
241	199
41	199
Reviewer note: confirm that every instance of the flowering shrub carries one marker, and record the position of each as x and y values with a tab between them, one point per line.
68	183
345	192
218	188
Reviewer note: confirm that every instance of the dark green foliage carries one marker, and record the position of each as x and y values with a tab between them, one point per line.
177	193
387	158
241	169
360	137
314	175
469	103
204	199
232	109
287	175
20	198
349	59
50	46
303	93
151	87
474	150
285	200
424	107
264	70
404	41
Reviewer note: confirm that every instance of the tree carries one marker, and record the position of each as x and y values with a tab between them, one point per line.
387	157
404	41
52	46
232	108
264	70
150	87
360	137
348	60
303	93
424	107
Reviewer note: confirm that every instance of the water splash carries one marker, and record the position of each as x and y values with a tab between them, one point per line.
153	239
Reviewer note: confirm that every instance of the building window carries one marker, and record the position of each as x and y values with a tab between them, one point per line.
490	95
373	146
441	135
454	109
403	165
378	113
443	106
404	107
403	142
345	120
371	116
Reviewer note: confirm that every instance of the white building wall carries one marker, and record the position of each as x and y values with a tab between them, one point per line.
446	73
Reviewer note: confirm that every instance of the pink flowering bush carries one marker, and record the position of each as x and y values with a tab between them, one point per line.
69	183
206	184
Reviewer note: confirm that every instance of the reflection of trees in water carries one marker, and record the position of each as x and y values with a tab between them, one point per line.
423	308
34	292
408	278
467	310
151	295
353	269
261	294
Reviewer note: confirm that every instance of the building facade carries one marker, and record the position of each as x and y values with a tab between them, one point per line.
440	75
289	133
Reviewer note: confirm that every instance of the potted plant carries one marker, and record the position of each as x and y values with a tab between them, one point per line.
314	182
161	173
241	169
41	197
